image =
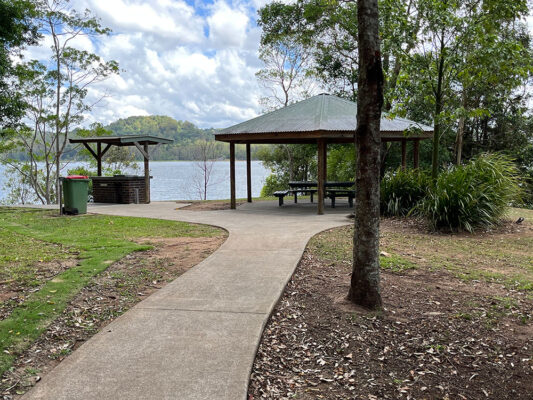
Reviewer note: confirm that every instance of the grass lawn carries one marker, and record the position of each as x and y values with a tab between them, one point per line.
52	258
503	255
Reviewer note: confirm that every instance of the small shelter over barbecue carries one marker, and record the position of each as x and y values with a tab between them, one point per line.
321	119
121	189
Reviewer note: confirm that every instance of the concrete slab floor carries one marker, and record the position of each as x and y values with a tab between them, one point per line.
197	337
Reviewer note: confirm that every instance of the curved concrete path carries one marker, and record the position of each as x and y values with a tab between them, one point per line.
197	337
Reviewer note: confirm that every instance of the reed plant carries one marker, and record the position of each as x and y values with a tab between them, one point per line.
402	190
473	195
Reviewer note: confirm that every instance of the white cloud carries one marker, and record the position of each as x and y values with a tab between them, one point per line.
191	62
192	65
227	26
162	18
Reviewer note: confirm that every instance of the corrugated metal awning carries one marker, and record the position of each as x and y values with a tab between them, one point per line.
322	115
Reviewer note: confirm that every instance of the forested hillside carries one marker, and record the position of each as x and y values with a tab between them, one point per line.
187	137
184	134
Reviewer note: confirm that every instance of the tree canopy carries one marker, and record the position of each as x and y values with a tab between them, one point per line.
17	29
463	66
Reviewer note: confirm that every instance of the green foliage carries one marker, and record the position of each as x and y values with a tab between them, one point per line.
273	183
444	62
17	29
474	195
55	94
162	126
288	162
341	162
401	190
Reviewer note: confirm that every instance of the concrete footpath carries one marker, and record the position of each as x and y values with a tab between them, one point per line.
196	338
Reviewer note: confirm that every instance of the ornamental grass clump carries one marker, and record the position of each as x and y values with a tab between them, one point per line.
402	190
473	195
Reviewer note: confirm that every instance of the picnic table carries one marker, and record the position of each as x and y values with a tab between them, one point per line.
333	189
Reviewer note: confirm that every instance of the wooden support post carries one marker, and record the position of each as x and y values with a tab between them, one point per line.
321	179
325	164
105	150
233	204
99	158
416	146
404	154
146	174
248	172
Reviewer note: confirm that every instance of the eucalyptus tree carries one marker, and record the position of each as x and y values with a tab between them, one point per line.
74	70
365	280
492	85
34	140
286	74
57	90
287	77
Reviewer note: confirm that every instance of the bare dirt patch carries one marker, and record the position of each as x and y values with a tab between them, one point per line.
109	295
440	337
208	205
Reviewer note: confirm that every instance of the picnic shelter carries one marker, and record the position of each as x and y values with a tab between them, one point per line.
322	119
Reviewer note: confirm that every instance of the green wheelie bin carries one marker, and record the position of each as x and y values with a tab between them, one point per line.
75	194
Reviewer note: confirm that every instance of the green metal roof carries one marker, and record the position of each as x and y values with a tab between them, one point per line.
126	140
324	113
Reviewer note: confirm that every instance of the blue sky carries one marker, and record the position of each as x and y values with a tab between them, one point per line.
191	60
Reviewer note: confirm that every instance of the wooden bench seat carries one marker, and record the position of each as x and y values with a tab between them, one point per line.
334	193
302	191
280	194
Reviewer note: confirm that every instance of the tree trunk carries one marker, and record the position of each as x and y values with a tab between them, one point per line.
460	133
438	110
364	288
57	115
291	161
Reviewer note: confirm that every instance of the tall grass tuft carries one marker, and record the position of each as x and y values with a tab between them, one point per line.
473	195
401	190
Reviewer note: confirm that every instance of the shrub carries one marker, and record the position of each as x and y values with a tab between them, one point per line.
272	184
82	170
401	190
473	195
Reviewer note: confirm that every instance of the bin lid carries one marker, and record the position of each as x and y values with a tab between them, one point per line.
77	177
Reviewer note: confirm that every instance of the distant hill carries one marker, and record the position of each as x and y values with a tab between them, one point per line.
182	132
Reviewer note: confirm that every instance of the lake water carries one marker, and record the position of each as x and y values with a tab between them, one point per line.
178	180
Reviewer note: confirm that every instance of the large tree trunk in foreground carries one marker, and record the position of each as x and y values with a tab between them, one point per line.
364	288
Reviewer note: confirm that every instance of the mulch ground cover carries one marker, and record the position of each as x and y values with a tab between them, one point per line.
439	337
109	295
